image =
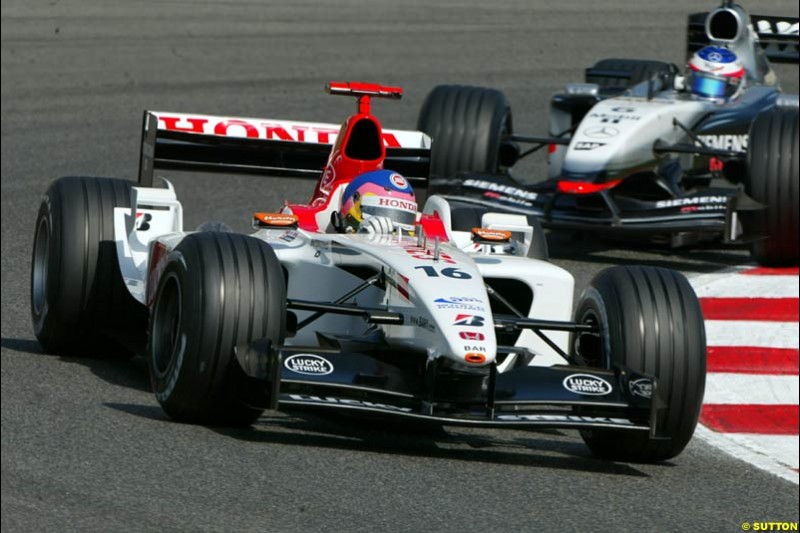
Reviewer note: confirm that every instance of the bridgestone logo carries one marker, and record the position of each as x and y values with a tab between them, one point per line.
308	364
586	384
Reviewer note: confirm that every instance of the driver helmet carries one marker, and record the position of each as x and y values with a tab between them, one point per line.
379	193
715	72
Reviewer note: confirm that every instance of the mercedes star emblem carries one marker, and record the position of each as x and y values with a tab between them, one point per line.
600	132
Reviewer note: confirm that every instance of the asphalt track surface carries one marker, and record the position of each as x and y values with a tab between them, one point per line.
85	446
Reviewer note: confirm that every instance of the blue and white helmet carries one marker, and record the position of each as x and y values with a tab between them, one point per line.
715	72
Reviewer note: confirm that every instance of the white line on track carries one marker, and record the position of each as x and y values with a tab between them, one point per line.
741	286
758	450
751	389
746	333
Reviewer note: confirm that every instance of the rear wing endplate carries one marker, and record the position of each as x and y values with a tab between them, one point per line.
778	36
204	143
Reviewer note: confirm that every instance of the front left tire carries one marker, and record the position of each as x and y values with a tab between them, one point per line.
219	290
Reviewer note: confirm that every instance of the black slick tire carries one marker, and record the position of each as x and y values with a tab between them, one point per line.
79	302
218	290
773	180
466	125
650	321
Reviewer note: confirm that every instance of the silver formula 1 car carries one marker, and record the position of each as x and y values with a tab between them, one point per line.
633	150
435	325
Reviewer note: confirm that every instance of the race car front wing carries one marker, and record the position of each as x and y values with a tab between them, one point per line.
383	384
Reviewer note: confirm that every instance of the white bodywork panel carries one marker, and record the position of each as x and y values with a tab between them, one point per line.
438	288
156	213
618	133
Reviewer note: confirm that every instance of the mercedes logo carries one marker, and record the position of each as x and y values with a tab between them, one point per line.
600	132
716	57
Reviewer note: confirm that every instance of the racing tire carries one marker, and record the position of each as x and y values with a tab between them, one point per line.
466	125
616	75
773	181
79	302
218	290
650	321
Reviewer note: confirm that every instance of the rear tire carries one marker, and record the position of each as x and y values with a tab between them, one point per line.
218	291
466	125
79	302
773	181
651	322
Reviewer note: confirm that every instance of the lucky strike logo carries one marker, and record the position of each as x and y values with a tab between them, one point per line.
587	384
309	364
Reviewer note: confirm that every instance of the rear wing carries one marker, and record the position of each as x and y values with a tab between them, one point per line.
777	36
205	143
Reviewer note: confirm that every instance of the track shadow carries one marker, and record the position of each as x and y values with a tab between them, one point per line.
151	412
124	372
130	373
537	449
21	345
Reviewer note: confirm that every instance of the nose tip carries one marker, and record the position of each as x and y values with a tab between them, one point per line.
475	358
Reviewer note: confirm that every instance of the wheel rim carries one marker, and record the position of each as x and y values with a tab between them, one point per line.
589	346
166	324
41	256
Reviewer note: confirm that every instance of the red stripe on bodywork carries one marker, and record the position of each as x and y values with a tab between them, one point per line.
762	419
772	309
764	271
752	360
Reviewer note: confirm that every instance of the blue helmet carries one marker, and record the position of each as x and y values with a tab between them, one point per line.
379	193
715	72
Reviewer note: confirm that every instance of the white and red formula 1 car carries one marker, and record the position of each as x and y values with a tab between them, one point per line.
471	328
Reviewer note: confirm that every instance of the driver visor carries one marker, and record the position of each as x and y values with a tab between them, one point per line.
713	86
402	212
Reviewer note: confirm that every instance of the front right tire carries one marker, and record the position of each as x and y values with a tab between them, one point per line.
79	302
650	321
